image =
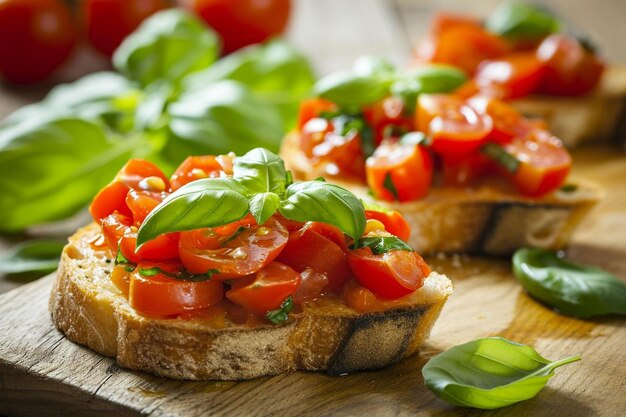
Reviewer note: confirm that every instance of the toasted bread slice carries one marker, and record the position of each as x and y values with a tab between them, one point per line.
326	335
488	220
598	116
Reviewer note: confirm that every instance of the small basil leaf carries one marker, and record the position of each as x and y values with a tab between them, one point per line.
220	118
344	124
282	314
209	202
152	105
498	154
390	186
520	21
33	256
434	78
260	170
568	188
374	66
383	244
263	206
489	373
350	90
181	276
324	202
120	259
575	290
168	45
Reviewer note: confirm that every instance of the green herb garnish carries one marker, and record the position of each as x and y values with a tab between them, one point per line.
390	186
498	154
383	244
282	314
569	188
181	276
522	21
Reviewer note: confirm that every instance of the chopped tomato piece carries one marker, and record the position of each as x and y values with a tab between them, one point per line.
341	154
110	199
511	76
359	298
399	172
443	22
330	232
121	279
507	121
141	203
309	249
312	284
312	108
265	290
544	163
313	133
114	226
389	275
454	127
394	222
467	90
136	171
246	252
163	296
570	68
388	118
161	247
198	167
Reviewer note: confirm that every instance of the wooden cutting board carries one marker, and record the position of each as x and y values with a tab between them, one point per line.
42	373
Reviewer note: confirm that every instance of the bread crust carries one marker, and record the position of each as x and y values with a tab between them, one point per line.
326	335
487	220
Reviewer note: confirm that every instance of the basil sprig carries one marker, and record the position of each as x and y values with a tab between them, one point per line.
575	290
522	21
383	244
259	186
489	373
282	314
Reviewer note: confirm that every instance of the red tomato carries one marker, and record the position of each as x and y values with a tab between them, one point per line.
394	222
342	155
463	170
511	76
312	108
313	134
545	163
114	226
390	275
108	22
266	290
507	121
329	232
36	37
136	171
112	198
443	22
312	285
386	116
308	249
121	279
244	22
454	127
246	253
463	46
198	167
570	68
399	172
163	296
141	203
159	248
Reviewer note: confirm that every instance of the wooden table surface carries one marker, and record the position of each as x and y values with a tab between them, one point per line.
487	301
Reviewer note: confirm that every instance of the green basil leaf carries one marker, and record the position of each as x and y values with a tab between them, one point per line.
260	170
209	202
374	66
521	21
498	154
344	124
152	106
282	314
61	164
40	256
434	78
324	202
222	117
390	186
383	244
168	45
181	276
489	373
575	290
350	90
275	72
263	206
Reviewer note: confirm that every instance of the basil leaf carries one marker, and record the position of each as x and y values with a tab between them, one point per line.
168	45
150	109
390	186
275	72
282	314
575	290
261	171
383	244
344	124
61	164
218	119
40	256
374	66
209	202
324	202
434	78
120	259
263	206
521	21
181	276
489	373
350	90
498	154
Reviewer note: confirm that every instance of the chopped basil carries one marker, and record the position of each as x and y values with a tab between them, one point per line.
181	276
383	244
501	156
390	186
569	188
282	314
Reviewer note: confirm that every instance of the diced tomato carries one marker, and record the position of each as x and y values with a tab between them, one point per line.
246	252
308	249
313	133
545	163
394	222
463	170
110	199
137	170
570	68
121	279
467	90
454	127
511	76
390	275
265	290
507	121
162	296
198	167
141	203
360	298
312	284
330	232
312	108
341	154
386	116
399	172
161	247
114	226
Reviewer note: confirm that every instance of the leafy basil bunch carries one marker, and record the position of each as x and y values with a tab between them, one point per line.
575	290
260	185
489	373
522	21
